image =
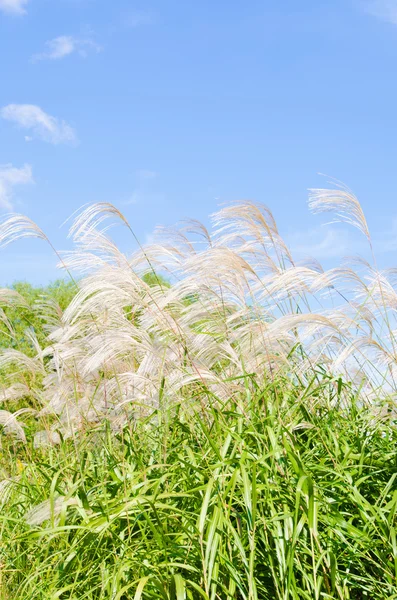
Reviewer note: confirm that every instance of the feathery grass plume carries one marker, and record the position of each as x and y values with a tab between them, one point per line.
49	509
5	489
21	361
50	313
343	202
10	297
92	217
238	303
194	226
5	320
251	228
14	391
46	438
12	425
14	227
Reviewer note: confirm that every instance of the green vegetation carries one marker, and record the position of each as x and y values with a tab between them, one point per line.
262	498
24	312
231	436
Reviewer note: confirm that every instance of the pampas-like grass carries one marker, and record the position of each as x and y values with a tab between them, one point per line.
239	305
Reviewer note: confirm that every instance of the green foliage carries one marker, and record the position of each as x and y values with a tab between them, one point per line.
287	489
32	317
22	318
155	279
282	495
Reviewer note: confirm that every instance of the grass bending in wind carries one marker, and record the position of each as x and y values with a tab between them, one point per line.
239	302
230	436
277	494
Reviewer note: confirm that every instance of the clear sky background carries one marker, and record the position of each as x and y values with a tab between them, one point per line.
168	108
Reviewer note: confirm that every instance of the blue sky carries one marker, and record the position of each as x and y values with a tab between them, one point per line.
168	108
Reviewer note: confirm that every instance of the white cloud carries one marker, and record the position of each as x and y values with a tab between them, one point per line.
14	7
39	123
139	17
135	198
322	243
383	9
144	198
386	241
64	45
10	177
143	192
332	243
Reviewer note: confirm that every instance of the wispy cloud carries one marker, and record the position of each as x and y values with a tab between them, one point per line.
13	7
382	9
144	197
325	243
39	123
138	17
10	177
144	192
386	241
65	45
135	198
321	243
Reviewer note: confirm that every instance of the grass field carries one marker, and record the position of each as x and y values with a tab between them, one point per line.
282	495
227	435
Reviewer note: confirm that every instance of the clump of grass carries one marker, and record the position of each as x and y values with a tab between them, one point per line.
275	495
239	303
230	435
